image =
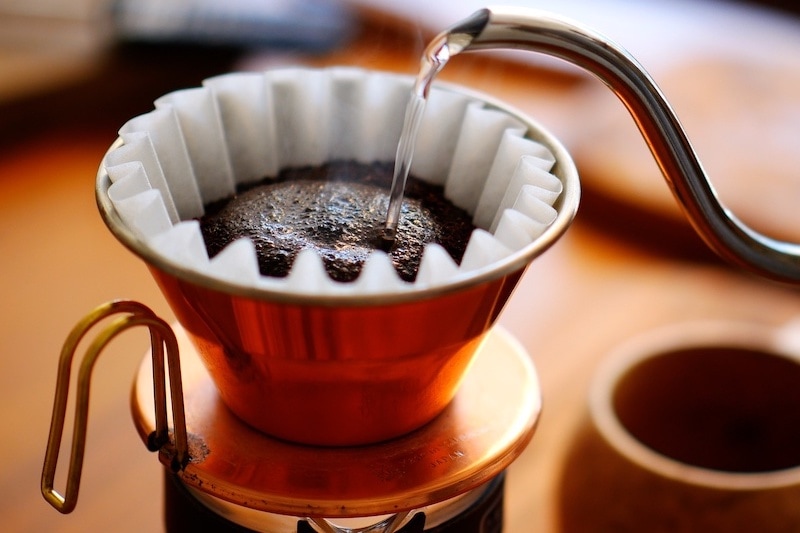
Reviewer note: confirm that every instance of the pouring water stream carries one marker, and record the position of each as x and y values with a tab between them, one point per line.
434	58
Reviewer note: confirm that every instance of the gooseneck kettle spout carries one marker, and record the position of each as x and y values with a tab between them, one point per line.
526	29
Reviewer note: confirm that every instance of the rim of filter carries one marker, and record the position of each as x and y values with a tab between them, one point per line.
566	208
674	338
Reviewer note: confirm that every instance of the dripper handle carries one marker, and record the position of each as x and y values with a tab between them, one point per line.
124	314
537	31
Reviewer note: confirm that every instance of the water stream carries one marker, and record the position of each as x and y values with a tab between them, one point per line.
433	61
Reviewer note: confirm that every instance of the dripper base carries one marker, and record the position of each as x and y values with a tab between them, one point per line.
484	429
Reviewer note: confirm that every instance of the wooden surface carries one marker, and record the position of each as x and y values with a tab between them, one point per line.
593	290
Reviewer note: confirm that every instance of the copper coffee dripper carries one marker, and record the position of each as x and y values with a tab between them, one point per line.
483	296
335	370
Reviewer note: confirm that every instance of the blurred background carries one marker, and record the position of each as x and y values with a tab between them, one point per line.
73	71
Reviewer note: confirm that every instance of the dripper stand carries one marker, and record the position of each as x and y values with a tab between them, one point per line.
430	475
447	475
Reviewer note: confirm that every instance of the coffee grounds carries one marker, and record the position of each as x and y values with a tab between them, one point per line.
338	210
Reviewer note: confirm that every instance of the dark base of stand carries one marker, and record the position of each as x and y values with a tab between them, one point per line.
184	513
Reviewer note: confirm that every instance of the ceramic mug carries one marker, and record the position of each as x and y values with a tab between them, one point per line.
692	428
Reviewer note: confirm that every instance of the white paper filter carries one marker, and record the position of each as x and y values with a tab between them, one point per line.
198	144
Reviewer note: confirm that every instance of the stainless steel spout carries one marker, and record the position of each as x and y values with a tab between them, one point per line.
531	30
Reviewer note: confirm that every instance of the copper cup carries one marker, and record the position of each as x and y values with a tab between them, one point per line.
343	369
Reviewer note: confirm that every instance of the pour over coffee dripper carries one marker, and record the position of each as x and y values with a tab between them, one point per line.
339	367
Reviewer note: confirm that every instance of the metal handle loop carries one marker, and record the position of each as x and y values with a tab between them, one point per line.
161	338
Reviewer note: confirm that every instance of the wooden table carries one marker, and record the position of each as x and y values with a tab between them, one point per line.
593	290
